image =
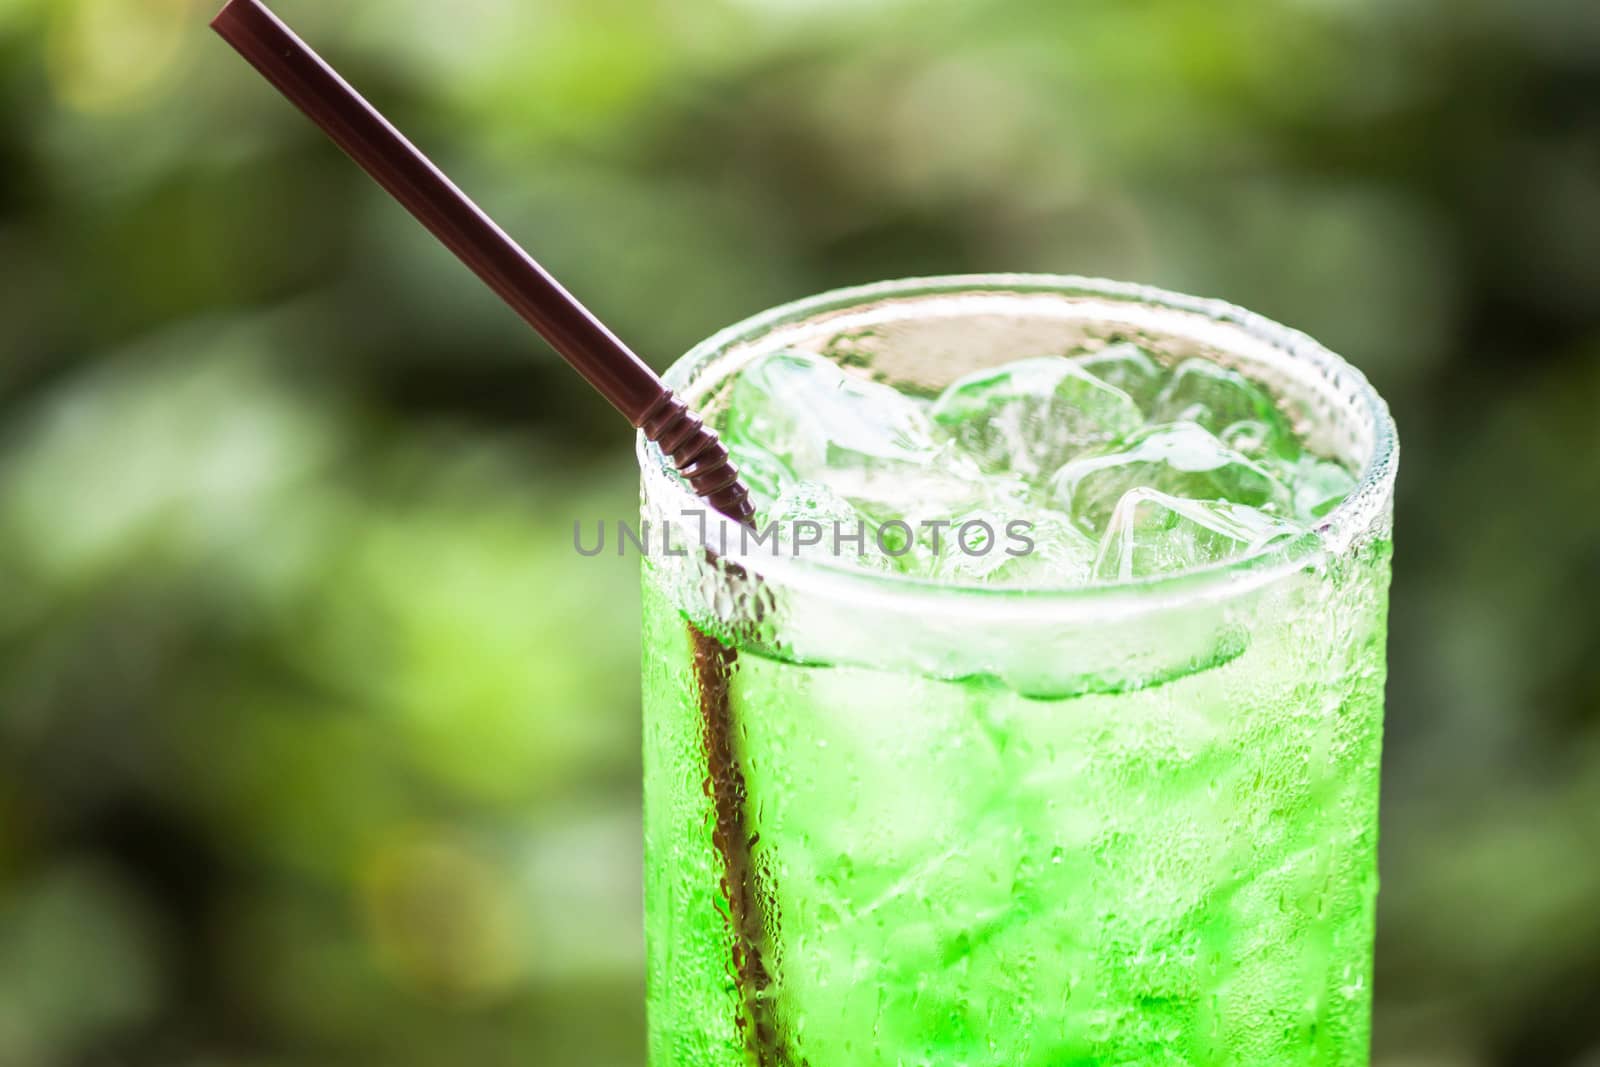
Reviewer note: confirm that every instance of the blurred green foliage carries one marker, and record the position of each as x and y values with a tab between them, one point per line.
318	744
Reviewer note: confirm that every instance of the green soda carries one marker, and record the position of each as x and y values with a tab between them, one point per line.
1060	745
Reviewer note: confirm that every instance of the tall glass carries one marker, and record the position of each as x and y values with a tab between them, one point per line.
892	821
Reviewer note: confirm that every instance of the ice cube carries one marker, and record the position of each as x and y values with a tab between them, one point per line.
1127	367
1319	486
813	416
1182	459
1032	415
765	475
1015	547
1228	404
1153	533
940	490
812	520
1249	438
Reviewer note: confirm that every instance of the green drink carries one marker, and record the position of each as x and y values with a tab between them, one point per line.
1096	787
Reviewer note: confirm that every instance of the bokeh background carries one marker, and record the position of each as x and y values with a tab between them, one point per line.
319	745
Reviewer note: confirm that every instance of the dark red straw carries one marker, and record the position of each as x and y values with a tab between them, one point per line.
394	163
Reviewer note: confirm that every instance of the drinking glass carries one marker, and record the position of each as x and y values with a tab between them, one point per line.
896	821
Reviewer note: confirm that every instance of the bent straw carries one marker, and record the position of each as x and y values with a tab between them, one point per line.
394	163
607	364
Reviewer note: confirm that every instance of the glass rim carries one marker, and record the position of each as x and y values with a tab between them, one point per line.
1366	502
